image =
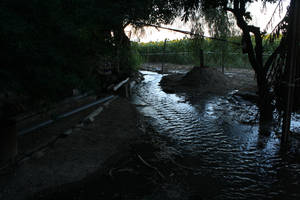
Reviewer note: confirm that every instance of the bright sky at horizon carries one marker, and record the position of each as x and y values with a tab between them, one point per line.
260	17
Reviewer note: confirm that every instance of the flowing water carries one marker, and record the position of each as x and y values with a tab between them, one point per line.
208	133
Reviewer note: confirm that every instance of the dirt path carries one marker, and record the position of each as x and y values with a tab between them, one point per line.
75	156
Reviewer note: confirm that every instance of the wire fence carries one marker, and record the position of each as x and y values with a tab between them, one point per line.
212	59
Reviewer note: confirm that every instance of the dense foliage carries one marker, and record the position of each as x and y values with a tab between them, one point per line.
49	48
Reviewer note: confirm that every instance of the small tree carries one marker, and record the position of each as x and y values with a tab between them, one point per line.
254	51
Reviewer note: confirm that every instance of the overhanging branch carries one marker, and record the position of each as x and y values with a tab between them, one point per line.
191	33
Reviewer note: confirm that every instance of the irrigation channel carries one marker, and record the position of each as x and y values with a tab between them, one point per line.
205	133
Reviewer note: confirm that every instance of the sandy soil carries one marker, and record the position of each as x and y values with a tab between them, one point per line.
210	80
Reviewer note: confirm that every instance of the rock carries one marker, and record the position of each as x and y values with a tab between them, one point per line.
68	132
247	95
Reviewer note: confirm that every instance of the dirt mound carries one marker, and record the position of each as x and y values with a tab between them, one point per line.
201	79
204	77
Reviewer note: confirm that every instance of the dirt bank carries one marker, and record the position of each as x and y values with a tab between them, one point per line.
146	171
168	68
115	157
75	155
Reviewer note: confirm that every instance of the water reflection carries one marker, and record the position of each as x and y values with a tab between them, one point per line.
213	134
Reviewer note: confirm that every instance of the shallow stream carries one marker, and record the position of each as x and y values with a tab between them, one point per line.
211	134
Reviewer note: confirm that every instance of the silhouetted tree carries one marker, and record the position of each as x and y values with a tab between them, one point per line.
50	47
254	50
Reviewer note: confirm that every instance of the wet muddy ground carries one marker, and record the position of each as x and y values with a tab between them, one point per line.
194	145
80	153
216	137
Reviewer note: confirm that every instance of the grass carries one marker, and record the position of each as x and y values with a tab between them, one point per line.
184	51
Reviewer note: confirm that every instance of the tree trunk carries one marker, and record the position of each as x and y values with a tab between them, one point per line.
256	61
264	104
122	48
291	68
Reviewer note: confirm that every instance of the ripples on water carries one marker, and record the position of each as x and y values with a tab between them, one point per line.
208	135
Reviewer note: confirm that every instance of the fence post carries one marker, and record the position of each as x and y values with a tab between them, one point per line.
164	52
147	55
222	61
201	58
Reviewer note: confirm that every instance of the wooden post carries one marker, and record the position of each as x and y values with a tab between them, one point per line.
201	58
222	61
293	43
122	88
147	56
164	52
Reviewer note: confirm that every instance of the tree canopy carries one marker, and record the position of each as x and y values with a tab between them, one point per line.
50	47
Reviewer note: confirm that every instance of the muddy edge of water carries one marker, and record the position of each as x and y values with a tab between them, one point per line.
145	171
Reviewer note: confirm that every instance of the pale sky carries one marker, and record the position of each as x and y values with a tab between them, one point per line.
260	17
